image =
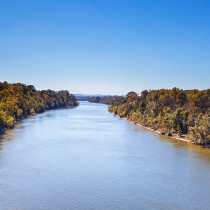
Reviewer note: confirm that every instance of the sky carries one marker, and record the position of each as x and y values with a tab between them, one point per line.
105	46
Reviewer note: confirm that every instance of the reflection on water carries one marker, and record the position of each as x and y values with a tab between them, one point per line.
7	137
85	158
201	152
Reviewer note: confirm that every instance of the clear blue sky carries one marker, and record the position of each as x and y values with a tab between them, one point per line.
105	46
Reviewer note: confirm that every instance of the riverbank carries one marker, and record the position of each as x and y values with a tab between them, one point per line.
4	129
159	132
18	101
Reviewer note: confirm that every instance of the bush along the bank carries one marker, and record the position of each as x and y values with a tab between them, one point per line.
183	113
18	101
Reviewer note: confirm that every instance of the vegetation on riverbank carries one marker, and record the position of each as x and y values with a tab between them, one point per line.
182	113
18	101
107	100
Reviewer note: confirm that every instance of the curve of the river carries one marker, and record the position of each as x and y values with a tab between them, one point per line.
85	158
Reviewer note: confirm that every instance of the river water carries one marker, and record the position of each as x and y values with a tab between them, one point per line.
85	158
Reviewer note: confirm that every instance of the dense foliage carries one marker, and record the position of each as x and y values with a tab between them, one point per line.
18	101
111	100
185	113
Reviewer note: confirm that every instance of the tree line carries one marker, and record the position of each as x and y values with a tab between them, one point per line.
18	101
175	112
107	100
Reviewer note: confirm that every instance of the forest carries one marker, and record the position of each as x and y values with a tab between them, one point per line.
175	112
18	101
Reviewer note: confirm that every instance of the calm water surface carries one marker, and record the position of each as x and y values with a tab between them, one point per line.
85	158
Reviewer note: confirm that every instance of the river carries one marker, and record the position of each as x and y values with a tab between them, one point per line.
85	158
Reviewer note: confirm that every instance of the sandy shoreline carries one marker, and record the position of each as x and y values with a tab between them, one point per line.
157	131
